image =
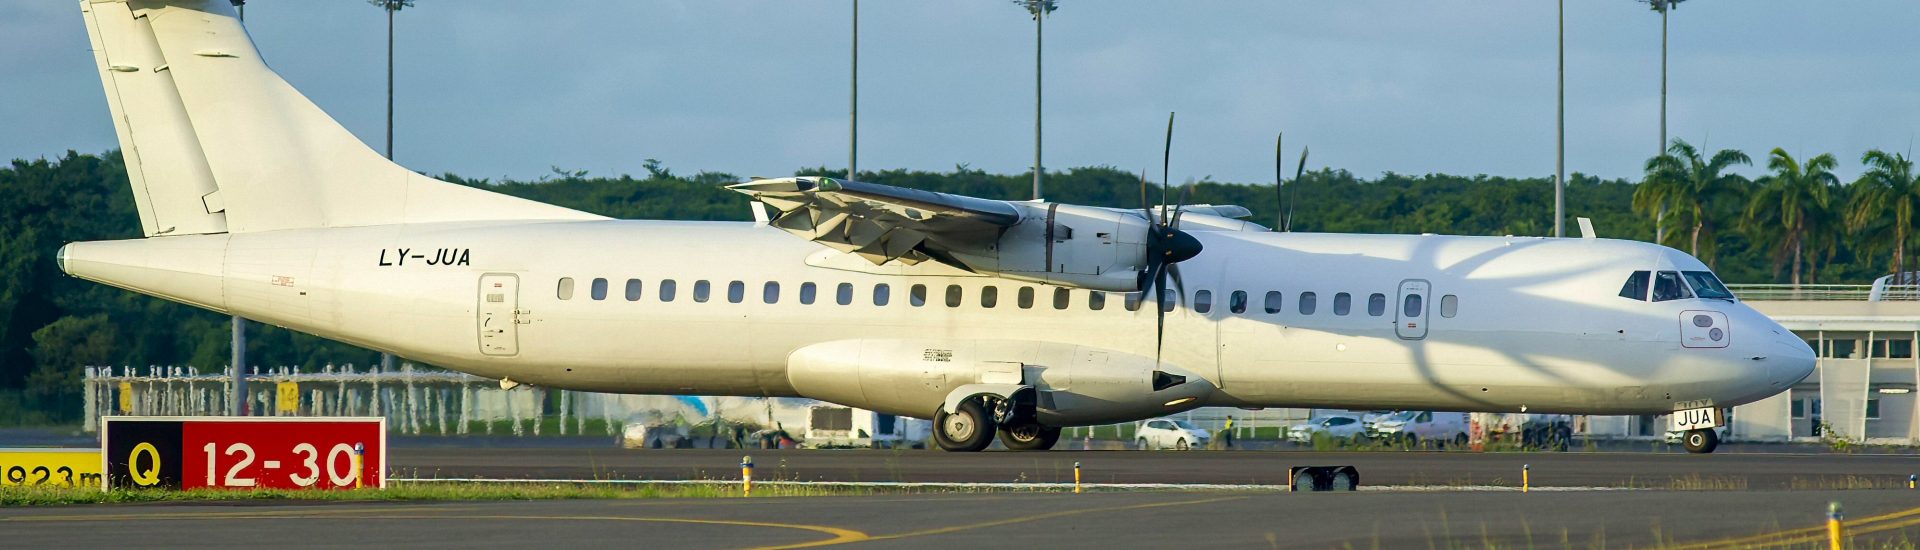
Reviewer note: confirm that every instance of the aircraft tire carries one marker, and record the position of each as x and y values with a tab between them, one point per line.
968	429
1701	441
1029	437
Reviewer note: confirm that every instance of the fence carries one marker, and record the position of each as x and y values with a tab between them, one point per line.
414	401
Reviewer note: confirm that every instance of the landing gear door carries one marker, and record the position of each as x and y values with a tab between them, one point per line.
498	314
1410	312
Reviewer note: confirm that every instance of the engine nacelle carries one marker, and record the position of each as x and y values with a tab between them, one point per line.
1069	245
1072	385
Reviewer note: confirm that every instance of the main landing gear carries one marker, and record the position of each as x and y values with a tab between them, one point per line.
1700	441
972	426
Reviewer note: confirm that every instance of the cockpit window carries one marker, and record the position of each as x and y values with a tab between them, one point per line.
1705	285
1668	286
1636	287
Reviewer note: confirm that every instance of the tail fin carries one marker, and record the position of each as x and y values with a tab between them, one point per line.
215	141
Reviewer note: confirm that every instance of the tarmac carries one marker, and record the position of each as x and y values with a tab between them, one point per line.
1729	469
1601	519
1743	496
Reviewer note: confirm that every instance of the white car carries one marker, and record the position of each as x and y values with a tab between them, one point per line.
1166	433
1336	427
1414	426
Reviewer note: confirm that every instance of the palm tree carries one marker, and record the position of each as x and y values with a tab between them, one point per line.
1688	185
1791	203
1889	187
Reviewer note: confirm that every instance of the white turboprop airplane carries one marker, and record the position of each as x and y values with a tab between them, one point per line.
1015	318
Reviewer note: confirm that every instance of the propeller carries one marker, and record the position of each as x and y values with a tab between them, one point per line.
1167	245
1279	183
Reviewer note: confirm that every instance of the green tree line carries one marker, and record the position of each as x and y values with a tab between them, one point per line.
1799	222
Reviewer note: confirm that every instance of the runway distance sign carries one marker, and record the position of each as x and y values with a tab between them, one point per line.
57	467
244	452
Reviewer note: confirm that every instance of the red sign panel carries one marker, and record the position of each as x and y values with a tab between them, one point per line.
246	452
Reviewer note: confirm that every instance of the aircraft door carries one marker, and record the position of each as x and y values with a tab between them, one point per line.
1410	313
498	314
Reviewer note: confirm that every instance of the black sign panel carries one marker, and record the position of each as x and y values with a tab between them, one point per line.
143	454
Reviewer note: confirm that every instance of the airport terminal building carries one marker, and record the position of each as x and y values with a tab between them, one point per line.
1864	386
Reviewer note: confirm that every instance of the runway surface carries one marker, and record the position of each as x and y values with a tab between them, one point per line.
1728	471
1612	519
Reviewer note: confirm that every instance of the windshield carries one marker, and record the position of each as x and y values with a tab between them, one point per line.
1668	286
1184	425
1705	285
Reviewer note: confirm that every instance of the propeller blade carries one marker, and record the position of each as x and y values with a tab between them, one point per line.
1146	207
1166	158
1160	319
1179	286
1297	172
1279	189
1181	209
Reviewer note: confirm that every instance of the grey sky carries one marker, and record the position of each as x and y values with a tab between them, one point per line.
492	88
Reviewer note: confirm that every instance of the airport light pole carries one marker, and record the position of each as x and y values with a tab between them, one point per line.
1039	9
1560	139
391	7
237	401
853	101
1662	6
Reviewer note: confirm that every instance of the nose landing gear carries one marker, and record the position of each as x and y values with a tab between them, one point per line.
1701	441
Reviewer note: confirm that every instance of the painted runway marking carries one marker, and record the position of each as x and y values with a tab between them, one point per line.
1002	522
1021	486
1873	524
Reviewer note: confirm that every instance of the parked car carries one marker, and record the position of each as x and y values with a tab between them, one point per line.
1167	433
1412	427
642	435
1337	427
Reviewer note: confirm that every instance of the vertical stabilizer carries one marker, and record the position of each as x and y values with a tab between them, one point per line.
216	141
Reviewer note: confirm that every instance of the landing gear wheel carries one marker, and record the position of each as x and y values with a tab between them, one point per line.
1701	441
1029	437
967	429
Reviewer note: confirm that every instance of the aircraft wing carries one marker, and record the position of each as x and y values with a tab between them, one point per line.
882	223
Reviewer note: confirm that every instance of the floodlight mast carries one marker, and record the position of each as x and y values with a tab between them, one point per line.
1039	10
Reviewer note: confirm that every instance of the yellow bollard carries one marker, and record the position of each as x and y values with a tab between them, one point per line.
746	475
1911	478
1833	525
1076	478
1525	478
359	463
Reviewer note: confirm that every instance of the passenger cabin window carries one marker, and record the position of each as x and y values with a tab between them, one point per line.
1167	300
1449	306
1237	302
770	293
1668	286
667	288
701	290
917	295
1308	302
1096	300
1131	300
1026	297
1377	304
633	290
807	291
1342	303
843	294
565	292
1636	287
954	295
1202	301
1273	302
1412	307
736	292
1062	298
1705	285
599	289
989	296
880	294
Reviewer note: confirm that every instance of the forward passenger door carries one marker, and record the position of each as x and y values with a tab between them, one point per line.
1410	313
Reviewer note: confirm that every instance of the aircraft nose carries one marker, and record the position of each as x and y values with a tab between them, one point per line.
1793	359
